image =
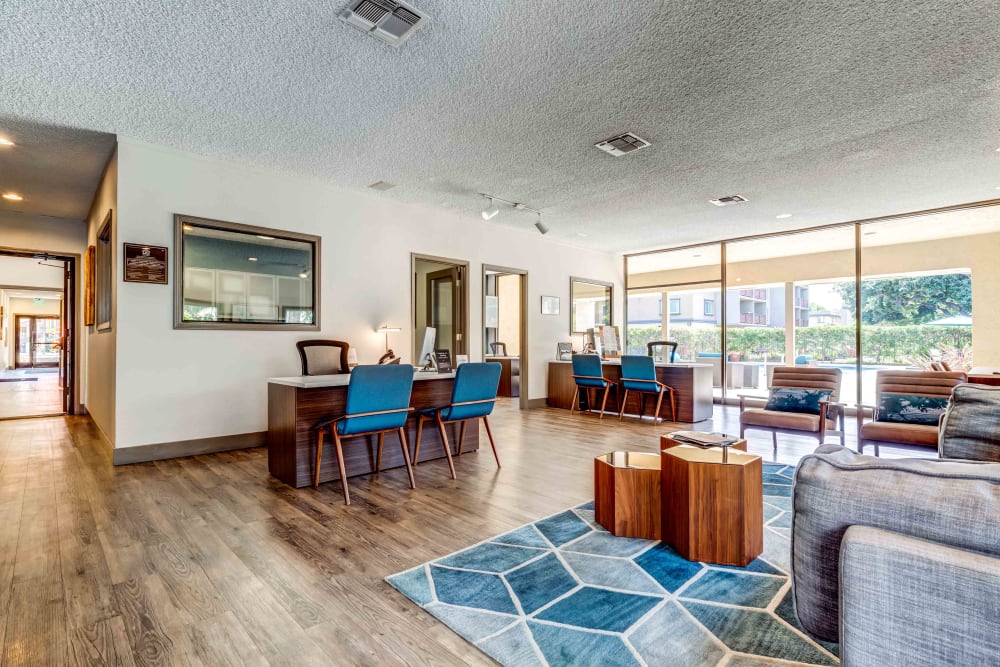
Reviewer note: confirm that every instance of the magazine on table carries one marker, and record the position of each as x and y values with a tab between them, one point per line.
703	439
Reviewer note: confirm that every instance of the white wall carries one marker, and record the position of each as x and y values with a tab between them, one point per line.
179	385
100	345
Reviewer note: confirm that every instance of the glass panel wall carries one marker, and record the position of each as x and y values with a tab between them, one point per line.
926	283
676	296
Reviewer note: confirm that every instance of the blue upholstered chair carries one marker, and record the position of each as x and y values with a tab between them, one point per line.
378	401
588	374
639	374
472	397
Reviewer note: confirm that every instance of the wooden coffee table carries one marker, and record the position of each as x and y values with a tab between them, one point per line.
627	494
713	510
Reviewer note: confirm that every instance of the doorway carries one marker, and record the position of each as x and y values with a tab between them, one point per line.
37	341
505	328
440	307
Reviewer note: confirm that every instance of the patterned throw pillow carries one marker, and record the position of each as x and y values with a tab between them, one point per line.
784	399
903	409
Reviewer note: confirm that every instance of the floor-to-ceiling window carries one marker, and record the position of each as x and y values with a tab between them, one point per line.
929	284
676	296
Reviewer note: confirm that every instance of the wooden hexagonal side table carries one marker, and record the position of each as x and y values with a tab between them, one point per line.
627	494
713	510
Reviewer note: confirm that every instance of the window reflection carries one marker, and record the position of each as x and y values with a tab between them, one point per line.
237	275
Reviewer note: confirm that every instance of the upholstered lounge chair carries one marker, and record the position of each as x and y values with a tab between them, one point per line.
828	420
913	424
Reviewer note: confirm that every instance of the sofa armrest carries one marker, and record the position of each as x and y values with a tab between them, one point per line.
907	601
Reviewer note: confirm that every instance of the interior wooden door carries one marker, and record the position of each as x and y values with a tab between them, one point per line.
446	309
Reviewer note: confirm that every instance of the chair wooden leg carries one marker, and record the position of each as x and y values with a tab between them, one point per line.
420	432
673	405
340	464
576	399
406	457
621	412
378	456
659	402
489	433
446	445
319	456
604	402
461	436
774	442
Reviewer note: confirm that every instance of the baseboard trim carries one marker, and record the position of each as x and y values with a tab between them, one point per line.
173	450
537	403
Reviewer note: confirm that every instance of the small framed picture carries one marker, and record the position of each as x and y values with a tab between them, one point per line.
145	264
550	305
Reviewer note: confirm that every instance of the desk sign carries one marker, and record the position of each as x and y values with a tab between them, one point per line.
145	264
442	359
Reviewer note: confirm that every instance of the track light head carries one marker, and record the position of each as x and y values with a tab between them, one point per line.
491	212
540	227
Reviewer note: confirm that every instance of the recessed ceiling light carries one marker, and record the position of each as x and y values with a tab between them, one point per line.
4	141
251	259
266	238
783	216
870	233
12	196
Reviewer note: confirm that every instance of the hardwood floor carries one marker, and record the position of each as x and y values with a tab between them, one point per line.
40	395
208	560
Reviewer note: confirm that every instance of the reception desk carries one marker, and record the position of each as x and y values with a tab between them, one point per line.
691	382
296	404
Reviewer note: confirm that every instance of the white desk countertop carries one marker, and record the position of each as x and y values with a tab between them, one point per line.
658	364
342	380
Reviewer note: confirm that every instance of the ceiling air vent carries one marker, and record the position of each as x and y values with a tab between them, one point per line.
728	201
622	144
386	20
382	186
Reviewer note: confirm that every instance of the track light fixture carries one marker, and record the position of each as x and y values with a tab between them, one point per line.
539	226
493	211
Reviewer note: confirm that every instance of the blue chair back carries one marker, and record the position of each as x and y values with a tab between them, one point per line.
473	382
376	389
588	365
638	373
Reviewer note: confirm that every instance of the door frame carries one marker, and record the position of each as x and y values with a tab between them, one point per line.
74	327
34	331
523	400
463	291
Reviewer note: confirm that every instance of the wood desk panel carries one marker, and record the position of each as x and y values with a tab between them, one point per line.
692	384
291	440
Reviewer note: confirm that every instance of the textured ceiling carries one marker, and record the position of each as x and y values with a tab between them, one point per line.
55	169
829	111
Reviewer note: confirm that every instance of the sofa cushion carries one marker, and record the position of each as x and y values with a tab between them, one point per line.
971	427
806	401
773	419
913	434
953	503
911	409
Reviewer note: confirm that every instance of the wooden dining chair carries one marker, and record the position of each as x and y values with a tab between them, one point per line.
378	402
323	357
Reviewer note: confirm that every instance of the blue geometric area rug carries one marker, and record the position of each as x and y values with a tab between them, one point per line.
564	591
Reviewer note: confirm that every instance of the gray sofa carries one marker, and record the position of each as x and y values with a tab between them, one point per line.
899	560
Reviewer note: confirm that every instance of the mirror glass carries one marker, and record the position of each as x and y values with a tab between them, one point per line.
590	304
